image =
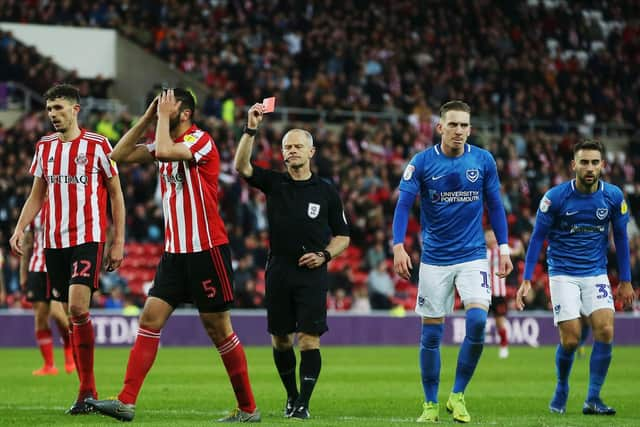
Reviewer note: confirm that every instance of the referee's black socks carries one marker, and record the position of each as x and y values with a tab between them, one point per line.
286	365
310	365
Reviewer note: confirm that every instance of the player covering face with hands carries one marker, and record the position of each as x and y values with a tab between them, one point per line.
196	264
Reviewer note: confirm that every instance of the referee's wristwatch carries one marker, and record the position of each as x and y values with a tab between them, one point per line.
325	254
249	131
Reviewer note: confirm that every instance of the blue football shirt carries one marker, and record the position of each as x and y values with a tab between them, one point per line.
452	191
578	225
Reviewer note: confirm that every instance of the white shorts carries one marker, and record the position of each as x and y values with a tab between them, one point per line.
436	286
572	296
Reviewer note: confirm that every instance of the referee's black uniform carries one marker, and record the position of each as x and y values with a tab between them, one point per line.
302	216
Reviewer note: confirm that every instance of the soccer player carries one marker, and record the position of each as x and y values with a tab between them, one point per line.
33	280
453	180
498	292
307	227
574	217
196	264
72	177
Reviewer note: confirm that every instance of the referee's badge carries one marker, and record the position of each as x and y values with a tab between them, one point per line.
313	210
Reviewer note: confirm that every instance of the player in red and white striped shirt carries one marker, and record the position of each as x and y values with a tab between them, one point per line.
499	292
33	280
73	175
196	265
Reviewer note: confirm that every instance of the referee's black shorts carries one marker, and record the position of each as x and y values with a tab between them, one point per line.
296	297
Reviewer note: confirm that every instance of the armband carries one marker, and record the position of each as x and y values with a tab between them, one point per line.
249	131
504	249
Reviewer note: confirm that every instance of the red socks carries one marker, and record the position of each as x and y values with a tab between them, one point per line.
503	337
235	362
83	342
143	354
45	342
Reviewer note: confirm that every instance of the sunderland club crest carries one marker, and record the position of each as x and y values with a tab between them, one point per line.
81	159
473	174
313	210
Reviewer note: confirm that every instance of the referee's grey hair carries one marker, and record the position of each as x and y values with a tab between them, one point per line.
307	135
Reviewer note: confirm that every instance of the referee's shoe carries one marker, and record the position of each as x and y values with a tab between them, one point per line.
113	408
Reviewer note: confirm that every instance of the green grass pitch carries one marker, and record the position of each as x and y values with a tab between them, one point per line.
358	386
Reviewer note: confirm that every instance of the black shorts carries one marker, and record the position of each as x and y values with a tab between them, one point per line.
201	278
498	306
296	297
76	265
37	287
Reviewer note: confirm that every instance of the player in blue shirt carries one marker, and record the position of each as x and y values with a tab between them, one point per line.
574	217
453	180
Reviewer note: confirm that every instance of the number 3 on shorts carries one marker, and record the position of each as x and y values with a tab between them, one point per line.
602	289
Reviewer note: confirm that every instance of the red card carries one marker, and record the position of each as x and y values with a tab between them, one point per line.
269	104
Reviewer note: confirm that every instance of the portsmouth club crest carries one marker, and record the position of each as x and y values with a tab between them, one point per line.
313	210
473	174
601	213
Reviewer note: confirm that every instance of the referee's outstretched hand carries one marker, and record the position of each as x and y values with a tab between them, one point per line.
255	115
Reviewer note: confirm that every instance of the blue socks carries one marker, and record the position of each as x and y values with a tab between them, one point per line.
471	349
430	360
598	367
564	361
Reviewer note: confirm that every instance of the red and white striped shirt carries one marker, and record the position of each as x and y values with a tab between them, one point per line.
36	263
189	191
498	285
76	173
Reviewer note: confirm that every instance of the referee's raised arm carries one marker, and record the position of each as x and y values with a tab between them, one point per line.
242	160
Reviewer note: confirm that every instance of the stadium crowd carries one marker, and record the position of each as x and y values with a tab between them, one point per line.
394	56
517	60
365	162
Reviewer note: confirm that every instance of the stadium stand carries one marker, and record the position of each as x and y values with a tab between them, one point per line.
546	88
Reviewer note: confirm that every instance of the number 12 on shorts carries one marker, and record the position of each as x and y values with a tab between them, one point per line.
83	271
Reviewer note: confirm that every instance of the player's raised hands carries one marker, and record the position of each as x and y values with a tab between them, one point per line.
625	294
167	104
523	290
152	109
255	115
401	262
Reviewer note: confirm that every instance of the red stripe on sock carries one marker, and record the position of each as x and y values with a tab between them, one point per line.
235	363
143	354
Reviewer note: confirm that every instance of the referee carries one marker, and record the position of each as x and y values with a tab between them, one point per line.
307	228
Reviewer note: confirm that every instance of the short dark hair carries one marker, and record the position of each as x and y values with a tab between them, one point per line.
65	91
454	105
589	144
187	98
